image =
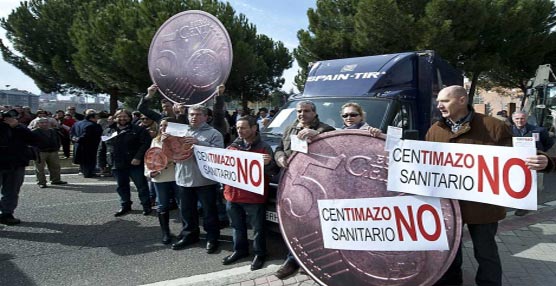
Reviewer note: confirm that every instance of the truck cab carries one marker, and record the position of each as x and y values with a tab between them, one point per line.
394	89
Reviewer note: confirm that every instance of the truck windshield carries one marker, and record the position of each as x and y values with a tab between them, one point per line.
328	110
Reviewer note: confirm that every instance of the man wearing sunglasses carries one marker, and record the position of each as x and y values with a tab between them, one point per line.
305	127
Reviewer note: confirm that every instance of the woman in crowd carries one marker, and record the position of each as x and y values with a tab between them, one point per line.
63	131
354	118
164	184
153	129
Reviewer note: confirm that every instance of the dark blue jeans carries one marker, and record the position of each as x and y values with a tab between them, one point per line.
240	215
10	185
136	174
187	200
489	272
164	193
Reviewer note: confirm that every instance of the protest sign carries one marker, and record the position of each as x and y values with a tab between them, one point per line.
481	173
241	169
404	223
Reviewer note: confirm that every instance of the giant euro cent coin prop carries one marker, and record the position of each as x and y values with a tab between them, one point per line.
350	164
175	148
155	160
190	55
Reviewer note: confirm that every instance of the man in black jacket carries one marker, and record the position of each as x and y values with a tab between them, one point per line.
85	135
127	147
14	156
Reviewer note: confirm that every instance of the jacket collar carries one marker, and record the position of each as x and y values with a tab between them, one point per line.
242	145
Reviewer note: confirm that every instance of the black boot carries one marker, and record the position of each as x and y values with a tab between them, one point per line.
164	219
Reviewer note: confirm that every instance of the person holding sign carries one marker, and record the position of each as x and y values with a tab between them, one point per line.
193	186
354	118
543	142
460	124
305	127
164	180
245	206
124	150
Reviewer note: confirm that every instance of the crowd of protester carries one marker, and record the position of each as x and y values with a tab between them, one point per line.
105	144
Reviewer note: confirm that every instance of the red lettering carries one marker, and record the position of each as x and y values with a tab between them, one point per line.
436	234
347	212
425	152
449	160
528	178
493	180
252	166
242	171
437	158
409	226
469	164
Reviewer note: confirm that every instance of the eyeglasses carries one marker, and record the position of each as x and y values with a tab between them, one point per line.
346	115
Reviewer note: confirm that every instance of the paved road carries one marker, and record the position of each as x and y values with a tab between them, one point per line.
70	237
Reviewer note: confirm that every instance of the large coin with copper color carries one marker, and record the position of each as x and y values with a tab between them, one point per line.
175	148
190	55
155	160
350	164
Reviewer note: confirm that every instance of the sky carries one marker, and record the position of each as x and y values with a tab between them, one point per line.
279	20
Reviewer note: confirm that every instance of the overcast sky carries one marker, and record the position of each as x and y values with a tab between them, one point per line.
280	20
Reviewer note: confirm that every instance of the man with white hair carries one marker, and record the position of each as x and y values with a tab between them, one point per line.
49	144
460	124
543	142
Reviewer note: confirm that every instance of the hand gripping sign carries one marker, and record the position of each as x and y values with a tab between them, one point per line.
481	173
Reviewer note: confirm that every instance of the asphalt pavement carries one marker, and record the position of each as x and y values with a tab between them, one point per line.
69	236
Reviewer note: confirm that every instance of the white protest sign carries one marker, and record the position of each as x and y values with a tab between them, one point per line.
105	138
481	173
528	142
404	223
393	136
244	170
177	129
298	145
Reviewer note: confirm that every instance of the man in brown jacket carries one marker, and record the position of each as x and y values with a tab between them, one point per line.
460	124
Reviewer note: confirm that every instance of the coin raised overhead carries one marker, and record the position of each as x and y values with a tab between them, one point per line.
190	55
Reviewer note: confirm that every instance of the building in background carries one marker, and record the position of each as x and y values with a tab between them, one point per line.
15	96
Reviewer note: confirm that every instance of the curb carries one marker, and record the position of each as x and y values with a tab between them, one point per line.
224	277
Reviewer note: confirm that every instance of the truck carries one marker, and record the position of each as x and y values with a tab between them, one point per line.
394	89
539	100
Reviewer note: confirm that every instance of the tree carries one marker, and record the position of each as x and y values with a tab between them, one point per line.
382	26
38	31
524	49
501	41
329	35
110	49
106	45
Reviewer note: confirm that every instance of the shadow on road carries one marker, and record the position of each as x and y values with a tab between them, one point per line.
15	277
122	237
